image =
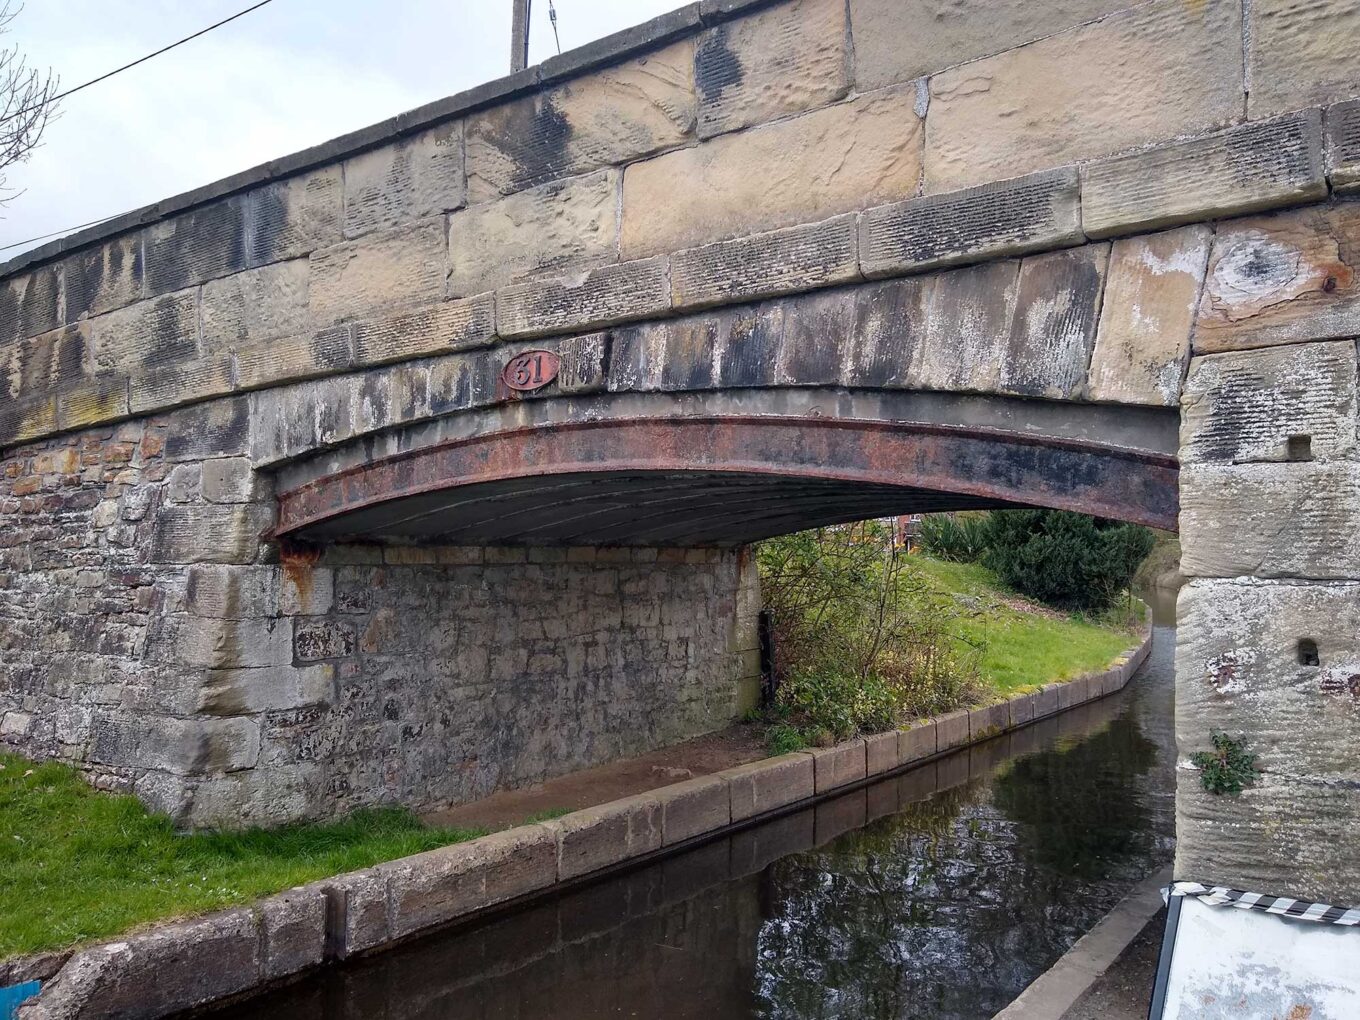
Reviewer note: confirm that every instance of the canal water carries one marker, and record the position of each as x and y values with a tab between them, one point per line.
939	893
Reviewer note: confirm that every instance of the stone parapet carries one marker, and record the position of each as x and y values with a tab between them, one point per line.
369	910
720	154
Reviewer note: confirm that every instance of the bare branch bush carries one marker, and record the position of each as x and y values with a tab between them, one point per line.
27	103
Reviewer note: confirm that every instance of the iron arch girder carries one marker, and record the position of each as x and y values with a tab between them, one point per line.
980	466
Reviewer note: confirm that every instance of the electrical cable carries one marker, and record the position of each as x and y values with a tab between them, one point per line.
140	60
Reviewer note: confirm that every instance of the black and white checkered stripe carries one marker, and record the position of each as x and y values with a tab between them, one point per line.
1222	896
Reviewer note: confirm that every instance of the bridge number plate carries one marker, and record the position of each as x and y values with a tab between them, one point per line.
531	370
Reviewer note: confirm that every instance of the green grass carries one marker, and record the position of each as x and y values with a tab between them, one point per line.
77	864
1020	649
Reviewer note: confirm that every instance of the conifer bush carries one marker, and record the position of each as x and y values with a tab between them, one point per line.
1068	560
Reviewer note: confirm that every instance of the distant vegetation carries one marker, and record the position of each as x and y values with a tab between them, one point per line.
1066	560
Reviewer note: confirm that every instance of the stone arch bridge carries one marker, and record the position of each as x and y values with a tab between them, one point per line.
422	463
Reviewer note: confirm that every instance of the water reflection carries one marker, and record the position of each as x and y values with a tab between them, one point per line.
941	893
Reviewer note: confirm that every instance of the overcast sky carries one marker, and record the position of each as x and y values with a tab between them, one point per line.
290	75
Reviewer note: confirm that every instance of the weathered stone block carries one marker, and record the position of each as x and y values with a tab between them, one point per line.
1270	520
230	480
225	644
881	752
801	170
1300	54
898	40
232	593
606	118
37	366
693	808
1057	304
92	403
597	837
301	356
201	244
266	689
952	729
780	262
770	784
1341	125
1007	218
294	216
167	969
1046	701
182	747
622	293
402	266
840	765
173	385
99	279
1279	835
1151	291
1070	694
1280	404
1282	279
917	741
1021	710
247	308
1153	72
988	721
560	225
1241	667
967	328
208	534
433	888
30	304
583	367
218	429
292	932
888	325
146	335
360	905
318	639
784	59
407	179
449	326
1245	169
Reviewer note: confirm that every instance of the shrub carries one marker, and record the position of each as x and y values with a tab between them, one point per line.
958	538
1066	559
861	643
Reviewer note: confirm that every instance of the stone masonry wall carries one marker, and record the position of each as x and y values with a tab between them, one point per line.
1268	644
151	638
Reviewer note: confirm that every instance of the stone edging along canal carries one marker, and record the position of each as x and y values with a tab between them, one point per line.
180	965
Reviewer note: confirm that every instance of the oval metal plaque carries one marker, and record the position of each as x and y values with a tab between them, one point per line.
530	370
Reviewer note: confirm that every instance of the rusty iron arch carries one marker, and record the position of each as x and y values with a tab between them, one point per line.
707	480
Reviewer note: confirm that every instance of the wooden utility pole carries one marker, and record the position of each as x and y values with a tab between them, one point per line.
519	36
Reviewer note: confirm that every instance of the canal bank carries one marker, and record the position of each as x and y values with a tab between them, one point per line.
229	953
942	891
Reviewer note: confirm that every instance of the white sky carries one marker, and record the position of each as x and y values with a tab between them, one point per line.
290	75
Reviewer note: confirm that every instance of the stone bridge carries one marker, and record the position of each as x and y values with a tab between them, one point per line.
422	463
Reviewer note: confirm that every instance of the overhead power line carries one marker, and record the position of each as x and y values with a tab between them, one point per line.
140	60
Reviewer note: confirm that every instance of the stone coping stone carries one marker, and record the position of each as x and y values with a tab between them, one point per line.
840	765
185	964
763	786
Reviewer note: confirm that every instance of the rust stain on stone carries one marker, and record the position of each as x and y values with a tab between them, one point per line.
298	560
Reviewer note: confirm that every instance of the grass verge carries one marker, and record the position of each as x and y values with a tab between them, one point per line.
1023	645
78	865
